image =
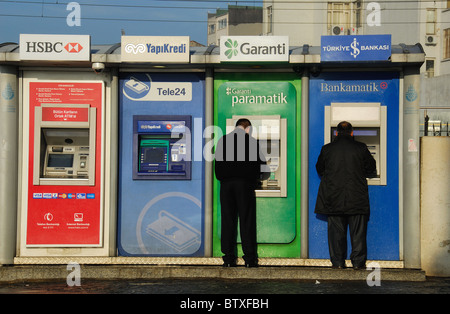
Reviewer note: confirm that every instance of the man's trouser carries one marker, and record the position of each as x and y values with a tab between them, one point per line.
337	239
237	199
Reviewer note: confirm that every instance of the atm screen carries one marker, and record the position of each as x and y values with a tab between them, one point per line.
60	160
367	132
358	132
153	155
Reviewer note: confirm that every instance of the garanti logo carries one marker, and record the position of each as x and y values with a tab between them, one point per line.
232	48
254	48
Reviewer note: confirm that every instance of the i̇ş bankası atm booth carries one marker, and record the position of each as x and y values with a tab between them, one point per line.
371	99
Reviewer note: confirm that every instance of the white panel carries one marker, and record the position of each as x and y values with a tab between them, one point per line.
357	114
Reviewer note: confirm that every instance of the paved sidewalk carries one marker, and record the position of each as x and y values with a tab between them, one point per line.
19	273
243	288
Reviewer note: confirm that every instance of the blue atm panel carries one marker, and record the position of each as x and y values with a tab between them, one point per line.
161	172
370	87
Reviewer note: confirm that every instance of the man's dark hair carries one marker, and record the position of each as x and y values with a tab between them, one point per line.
344	128
243	122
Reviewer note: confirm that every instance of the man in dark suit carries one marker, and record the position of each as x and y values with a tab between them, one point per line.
238	167
344	165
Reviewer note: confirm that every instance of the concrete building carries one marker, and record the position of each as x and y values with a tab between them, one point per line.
235	20
424	22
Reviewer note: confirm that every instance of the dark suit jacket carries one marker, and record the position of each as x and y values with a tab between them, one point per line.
237	156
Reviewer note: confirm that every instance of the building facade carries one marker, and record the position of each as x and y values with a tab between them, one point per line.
424	22
234	21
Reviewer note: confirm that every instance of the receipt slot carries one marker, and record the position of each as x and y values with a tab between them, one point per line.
369	126
162	146
270	131
64	145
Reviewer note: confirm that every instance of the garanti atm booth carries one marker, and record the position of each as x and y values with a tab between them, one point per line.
272	103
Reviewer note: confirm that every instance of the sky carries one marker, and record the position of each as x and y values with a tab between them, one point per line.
105	20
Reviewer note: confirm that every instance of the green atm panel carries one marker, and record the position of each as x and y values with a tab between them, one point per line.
269	101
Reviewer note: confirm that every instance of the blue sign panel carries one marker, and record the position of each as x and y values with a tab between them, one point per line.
355	48
160	216
364	87
163	127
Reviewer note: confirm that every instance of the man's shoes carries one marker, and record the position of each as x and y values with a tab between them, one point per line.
363	267
251	265
338	266
229	265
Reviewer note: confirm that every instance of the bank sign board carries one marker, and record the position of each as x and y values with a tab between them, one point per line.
355	48
55	47
155	49
254	48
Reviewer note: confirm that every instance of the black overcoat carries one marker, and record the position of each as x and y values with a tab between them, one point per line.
343	166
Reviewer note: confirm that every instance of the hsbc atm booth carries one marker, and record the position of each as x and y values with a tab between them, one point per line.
63	192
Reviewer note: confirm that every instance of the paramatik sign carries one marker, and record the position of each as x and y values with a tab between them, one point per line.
55	47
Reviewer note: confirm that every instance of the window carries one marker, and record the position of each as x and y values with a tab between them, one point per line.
431	22
222	24
269	19
447	43
211	28
343	18
429	67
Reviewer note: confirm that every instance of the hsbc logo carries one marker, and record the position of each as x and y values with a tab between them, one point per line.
73	47
55	47
48	47
43	47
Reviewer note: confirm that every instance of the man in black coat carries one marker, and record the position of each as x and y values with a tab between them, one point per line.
344	165
238	168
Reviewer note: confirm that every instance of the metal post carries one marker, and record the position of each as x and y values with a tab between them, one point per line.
304	166
8	163
114	166
411	162
209	121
